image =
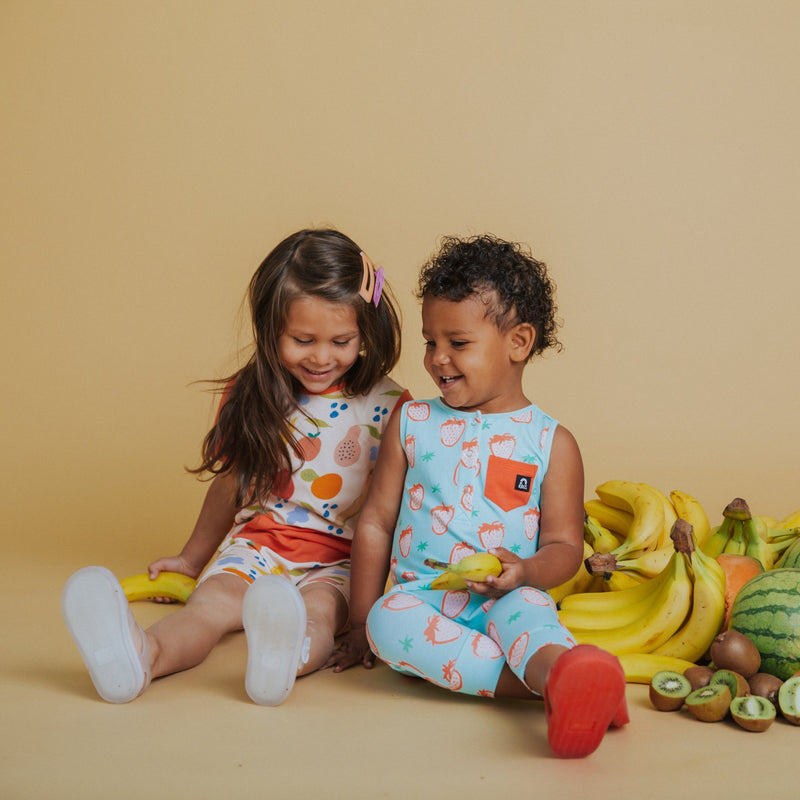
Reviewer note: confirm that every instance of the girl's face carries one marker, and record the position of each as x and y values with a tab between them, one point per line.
475	365
320	342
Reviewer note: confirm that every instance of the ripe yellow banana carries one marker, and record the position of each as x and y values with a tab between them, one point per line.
174	585
689	508
647	506
792	521
647	564
612	610
616	520
476	567
601	539
662	616
641	667
694	637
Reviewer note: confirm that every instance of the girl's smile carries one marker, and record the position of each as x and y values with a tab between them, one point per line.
320	342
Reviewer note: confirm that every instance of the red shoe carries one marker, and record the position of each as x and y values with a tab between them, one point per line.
584	694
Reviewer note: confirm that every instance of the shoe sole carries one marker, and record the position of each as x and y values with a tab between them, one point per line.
274	620
96	612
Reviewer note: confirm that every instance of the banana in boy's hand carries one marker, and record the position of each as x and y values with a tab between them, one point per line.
476	567
174	585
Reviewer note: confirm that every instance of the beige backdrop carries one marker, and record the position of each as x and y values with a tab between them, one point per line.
155	151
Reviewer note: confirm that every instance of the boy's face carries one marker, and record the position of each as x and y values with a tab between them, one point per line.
475	365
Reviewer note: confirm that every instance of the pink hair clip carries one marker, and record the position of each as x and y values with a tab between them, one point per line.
372	282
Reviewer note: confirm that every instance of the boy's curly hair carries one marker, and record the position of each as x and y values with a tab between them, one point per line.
514	286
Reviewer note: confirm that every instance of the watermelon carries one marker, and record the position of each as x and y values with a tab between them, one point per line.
767	610
791	556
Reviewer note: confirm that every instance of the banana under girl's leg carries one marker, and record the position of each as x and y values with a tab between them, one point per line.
185	637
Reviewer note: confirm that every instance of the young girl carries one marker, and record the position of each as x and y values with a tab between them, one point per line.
292	451
481	469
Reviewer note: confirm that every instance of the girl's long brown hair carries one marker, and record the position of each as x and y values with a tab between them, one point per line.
252	434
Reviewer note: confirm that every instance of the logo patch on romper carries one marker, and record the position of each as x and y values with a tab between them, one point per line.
523	483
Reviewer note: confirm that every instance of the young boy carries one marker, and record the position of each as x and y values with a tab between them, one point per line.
479	469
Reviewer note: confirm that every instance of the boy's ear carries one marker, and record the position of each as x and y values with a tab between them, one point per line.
521	339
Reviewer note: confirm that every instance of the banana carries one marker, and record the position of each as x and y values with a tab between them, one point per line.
647	506
601	539
718	538
736	545
647	564
756	545
476	567
689	508
792	521
174	585
616	520
581	581
611	610
662	616
641	667
692	640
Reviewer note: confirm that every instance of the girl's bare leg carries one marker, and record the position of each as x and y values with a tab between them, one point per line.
326	615
509	685
184	638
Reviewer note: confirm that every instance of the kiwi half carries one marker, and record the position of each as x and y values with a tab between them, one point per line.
668	690
752	713
735	681
710	703
789	699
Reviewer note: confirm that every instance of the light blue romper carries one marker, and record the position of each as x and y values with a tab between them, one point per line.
473	482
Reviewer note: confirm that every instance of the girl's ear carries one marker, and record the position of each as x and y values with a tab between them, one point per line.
521	339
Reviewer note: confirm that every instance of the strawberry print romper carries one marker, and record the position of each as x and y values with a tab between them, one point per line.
473	482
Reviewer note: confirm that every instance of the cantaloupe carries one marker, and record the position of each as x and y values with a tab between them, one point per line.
767	610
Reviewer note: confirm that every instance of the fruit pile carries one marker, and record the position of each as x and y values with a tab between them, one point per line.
658	583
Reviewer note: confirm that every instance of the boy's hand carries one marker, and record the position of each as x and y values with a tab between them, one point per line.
351	650
512	576
170	564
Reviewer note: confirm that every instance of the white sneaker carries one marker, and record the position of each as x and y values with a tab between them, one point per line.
274	619
110	641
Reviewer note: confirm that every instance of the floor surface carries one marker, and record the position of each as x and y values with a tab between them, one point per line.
359	734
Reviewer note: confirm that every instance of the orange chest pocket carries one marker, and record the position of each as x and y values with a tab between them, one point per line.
509	482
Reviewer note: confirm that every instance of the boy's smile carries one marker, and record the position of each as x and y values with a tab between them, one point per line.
474	363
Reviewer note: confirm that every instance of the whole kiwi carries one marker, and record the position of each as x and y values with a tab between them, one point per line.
734	651
762	684
698	676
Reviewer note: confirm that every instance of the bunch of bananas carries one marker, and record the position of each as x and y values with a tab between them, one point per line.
741	533
674	615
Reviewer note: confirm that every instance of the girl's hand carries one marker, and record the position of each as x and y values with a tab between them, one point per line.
351	650
170	564
512	576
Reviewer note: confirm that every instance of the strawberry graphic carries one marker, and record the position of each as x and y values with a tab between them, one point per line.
543	437
525	417
466	498
400	601
518	649
404	541
410	447
485	693
415	495
454	602
408	576
452	675
535	597
491	632
461	550
530	523
484	647
440	518
491	534
502	445
404	665
393	571
441	630
451	431
417	411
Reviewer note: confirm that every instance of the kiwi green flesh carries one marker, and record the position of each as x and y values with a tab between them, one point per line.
709	703
789	699
752	713
735	682
672	684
